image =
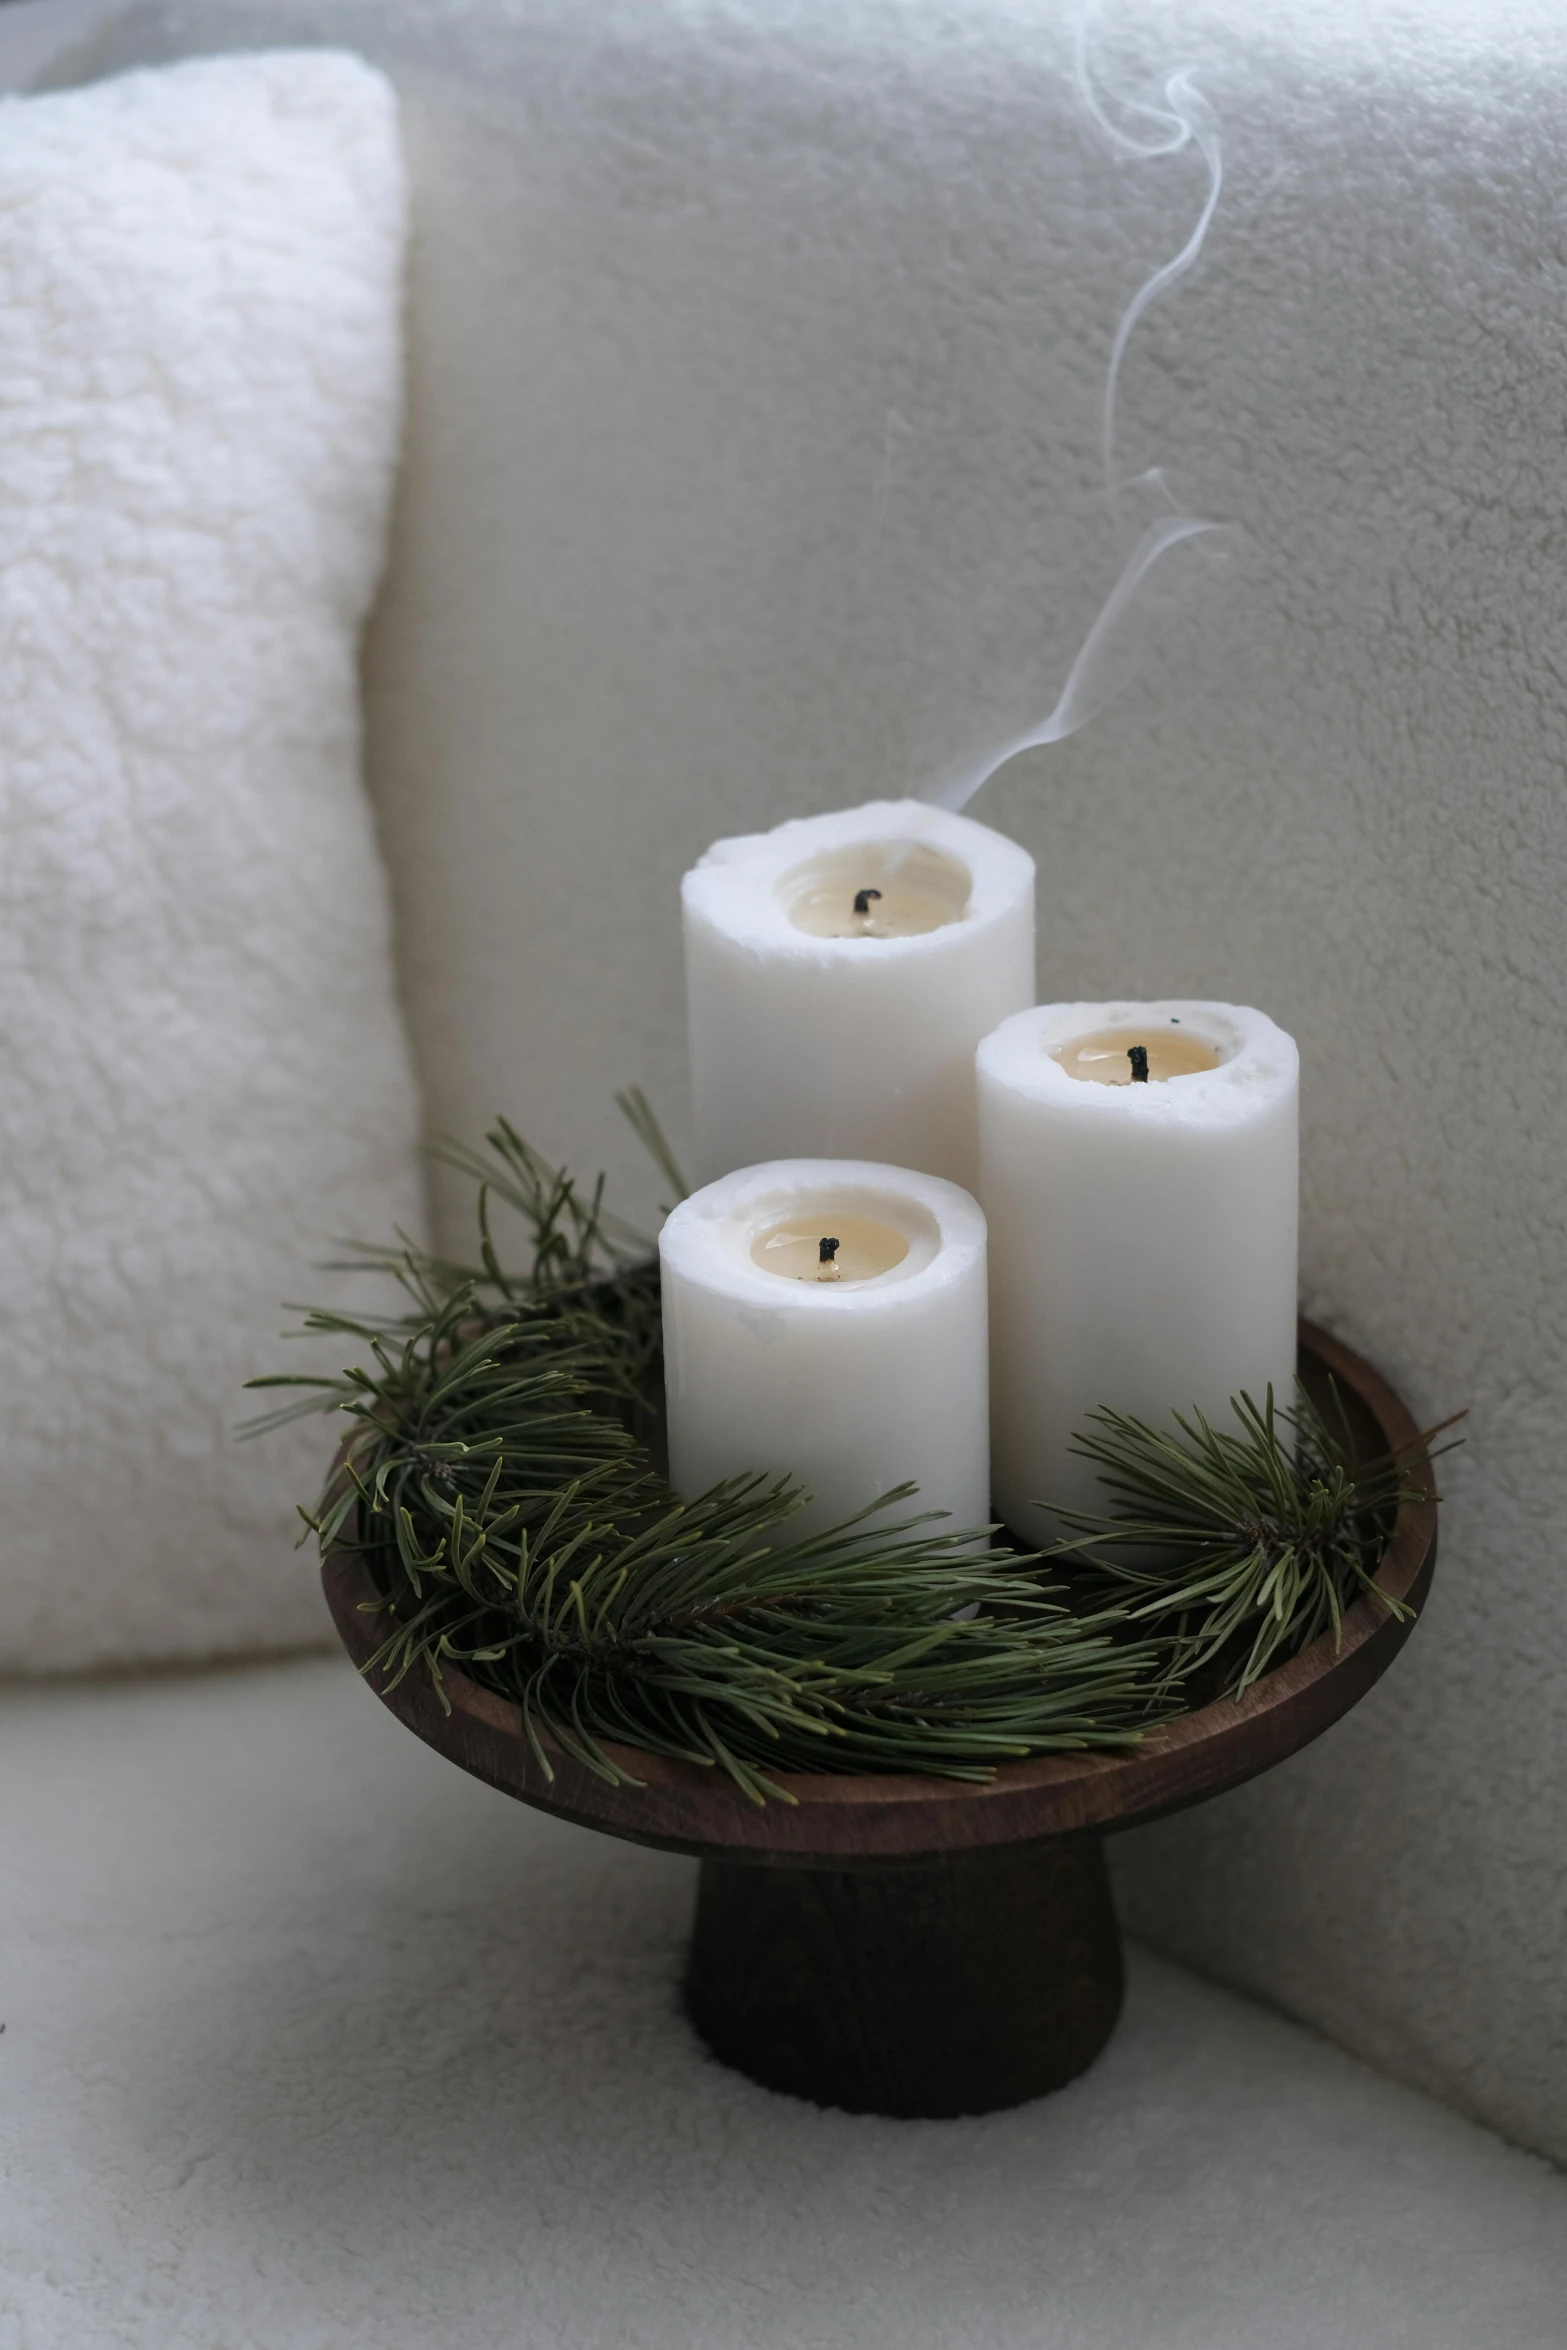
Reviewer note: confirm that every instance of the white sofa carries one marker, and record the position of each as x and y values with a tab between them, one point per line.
757	358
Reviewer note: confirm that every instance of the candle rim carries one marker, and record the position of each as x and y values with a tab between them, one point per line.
745	1202
792	885
1127	1033
1019	1055
734	885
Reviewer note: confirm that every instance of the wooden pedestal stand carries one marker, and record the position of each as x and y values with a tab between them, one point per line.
917	1946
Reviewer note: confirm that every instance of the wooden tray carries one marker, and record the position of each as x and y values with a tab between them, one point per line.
915	1945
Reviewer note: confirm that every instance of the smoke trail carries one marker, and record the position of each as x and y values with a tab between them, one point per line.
1184	118
1178	118
1088	686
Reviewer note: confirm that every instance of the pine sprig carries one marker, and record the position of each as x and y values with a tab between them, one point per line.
1244	1542
498	1486
499	1481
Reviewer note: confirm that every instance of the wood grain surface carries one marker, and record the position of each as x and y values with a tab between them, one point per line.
931	1991
859	1822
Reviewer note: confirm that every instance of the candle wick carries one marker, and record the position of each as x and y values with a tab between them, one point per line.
1137	1054
826	1251
862	905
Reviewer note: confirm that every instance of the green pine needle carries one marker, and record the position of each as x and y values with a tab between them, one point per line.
1244	1542
505	1500
500	1485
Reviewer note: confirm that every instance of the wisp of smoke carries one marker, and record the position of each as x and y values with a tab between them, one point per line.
1182	117
1176	117
1090	684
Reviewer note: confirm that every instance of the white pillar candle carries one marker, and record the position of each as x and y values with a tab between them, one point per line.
839	973
852	1367
1142	1229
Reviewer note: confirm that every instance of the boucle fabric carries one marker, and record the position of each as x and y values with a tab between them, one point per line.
758	354
203	1078
313	2043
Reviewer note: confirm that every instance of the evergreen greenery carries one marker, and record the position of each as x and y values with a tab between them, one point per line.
1243	1544
510	1513
500	1482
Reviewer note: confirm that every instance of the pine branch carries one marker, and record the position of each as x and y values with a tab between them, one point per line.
1244	1542
518	1533
641	1117
516	1530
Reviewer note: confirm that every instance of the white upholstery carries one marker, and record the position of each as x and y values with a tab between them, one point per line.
758	350
314	2044
204	1080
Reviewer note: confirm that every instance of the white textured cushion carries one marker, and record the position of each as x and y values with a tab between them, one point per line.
202	1074
372	2059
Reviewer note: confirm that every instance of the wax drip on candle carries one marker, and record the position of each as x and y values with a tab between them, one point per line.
862	900
1137	1054
826	1251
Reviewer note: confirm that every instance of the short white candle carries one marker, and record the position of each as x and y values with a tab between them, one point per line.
851	1368
839	973
1142	1231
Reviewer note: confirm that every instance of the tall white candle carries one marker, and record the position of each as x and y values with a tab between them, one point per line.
852	1367
839	973
1142	1228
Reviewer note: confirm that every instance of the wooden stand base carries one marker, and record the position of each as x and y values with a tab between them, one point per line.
926	1946
960	1986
